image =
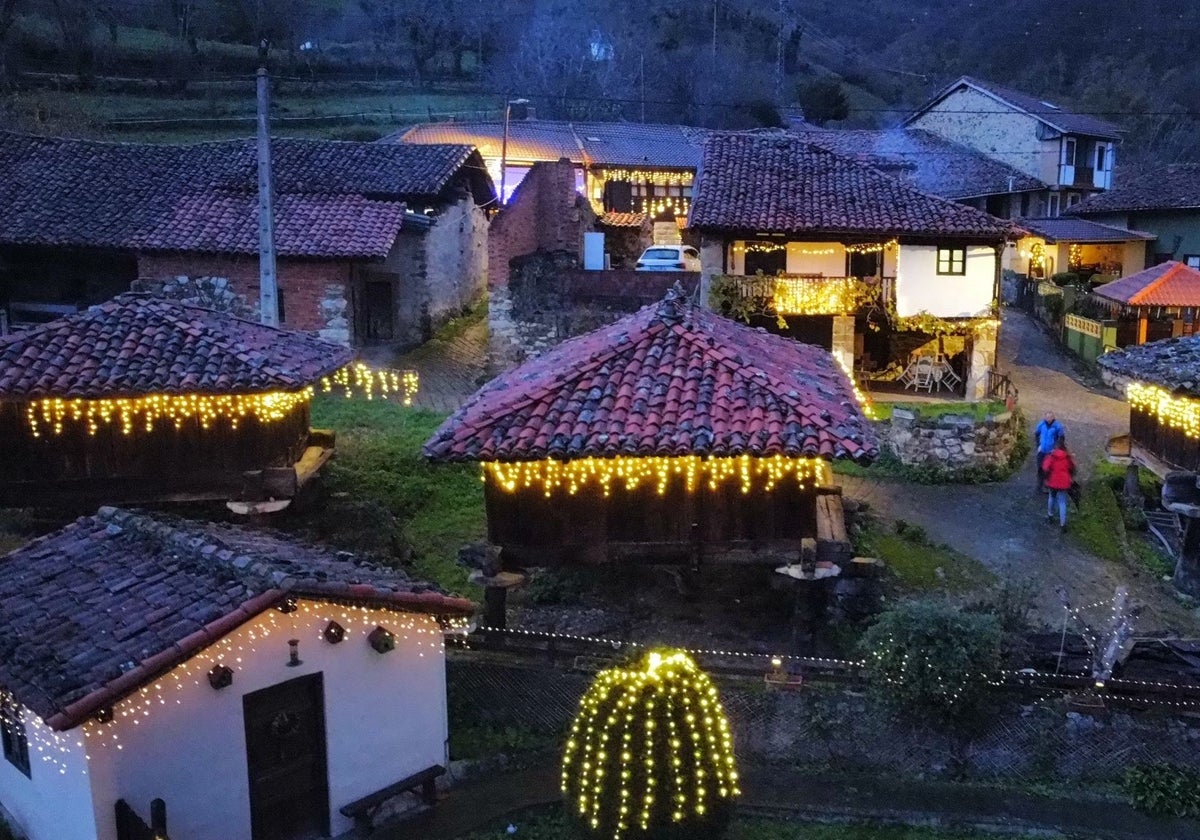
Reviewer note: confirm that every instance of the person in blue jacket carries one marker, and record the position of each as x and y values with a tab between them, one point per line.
1047	434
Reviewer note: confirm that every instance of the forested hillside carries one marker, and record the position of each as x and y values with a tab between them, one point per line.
92	66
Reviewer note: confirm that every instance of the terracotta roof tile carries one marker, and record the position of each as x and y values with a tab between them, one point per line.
1064	229
1172	363
671	379
782	184
1174	187
138	344
1168	284
333	198
102	607
630	220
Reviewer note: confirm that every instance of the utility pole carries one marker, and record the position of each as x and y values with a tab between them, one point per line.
504	147
779	54
714	40
268	290
642	74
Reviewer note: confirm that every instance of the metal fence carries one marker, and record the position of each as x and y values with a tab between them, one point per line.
838	729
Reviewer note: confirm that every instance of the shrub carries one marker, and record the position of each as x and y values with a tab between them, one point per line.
1054	306
930	660
650	754
1164	789
1065	278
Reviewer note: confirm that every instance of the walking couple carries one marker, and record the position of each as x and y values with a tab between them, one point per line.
1055	467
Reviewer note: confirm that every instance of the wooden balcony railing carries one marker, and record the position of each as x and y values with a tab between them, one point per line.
806	294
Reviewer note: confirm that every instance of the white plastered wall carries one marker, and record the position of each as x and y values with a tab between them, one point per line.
919	288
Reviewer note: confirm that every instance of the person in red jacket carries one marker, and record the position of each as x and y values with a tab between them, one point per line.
1059	468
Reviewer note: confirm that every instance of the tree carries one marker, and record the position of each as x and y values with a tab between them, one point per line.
8	16
650	755
823	100
78	22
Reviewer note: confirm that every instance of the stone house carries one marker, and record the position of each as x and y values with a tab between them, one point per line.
1164	202
375	243
840	250
1073	154
226	682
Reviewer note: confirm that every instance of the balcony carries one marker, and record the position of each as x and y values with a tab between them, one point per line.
804	294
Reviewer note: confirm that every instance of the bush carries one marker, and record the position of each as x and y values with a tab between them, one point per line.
1165	790
1055	306
930	660
650	754
1065	278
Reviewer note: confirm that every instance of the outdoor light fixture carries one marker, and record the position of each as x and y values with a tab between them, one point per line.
334	632
220	676
294	653
381	640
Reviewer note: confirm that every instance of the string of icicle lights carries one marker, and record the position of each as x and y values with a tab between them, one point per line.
52	415
1181	413
629	473
360	380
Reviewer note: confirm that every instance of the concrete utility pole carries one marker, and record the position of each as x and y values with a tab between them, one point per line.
268	290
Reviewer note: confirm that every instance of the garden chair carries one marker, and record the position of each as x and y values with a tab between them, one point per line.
923	375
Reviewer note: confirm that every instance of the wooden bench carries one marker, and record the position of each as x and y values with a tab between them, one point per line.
362	810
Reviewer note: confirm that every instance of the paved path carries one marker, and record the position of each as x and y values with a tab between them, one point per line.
815	796
450	365
1001	525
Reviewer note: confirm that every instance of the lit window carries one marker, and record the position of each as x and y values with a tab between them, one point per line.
1192	260
952	261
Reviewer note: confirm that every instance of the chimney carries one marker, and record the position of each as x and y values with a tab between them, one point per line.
520	109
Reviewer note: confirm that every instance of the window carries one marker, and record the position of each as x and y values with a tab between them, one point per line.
1192	260
12	735
1072	199
1024	204
1100	156
864	265
951	260
282	309
1069	152
1052	208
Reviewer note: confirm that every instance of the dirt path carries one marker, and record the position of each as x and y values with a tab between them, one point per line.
1001	524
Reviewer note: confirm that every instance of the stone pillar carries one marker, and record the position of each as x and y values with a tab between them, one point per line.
333	315
712	262
843	341
983	359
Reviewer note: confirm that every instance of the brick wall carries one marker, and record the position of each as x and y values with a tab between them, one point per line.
302	283
544	214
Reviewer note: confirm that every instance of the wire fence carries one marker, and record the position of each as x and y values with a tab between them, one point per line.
843	730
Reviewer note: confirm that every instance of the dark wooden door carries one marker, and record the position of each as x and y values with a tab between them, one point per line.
285	757
379	307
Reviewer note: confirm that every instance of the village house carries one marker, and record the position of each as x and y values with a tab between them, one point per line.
673	435
852	259
165	677
1073	154
642	168
142	398
1159	302
375	243
1094	252
1164	202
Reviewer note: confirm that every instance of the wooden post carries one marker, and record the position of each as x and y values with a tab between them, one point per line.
495	601
1143	327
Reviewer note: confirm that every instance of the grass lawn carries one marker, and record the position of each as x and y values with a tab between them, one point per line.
920	565
977	411
551	825
1104	529
383	498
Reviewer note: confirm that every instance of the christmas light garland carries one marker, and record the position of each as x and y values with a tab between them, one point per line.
629	472
650	747
821	296
361	380
53	414
1182	413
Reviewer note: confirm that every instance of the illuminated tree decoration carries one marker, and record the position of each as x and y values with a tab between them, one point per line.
360	380
650	754
630	472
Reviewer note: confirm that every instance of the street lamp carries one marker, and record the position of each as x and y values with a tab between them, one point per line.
504	144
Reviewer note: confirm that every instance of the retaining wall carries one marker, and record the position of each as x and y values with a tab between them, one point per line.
952	441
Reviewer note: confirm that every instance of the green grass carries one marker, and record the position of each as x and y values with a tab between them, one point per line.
977	411
550	824
916	561
1100	526
383	497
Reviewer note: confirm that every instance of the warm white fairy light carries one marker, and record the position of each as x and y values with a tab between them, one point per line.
361	380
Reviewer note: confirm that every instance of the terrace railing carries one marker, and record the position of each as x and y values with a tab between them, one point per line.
806	294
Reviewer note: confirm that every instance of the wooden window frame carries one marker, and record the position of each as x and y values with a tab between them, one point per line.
14	738
950	261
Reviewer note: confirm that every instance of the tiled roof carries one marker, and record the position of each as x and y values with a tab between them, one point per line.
137	344
598	144
614	219
672	379
779	183
1051	114
104	606
1174	187
334	199
1063	229
1168	284
1173	363
930	163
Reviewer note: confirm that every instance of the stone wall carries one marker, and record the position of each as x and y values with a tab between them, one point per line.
950	442
549	298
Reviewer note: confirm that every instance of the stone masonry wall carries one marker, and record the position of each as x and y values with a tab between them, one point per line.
952	441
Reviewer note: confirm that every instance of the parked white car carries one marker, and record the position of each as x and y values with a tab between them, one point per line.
669	258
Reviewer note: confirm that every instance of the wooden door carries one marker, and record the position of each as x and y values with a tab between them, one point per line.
285	757
379	307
